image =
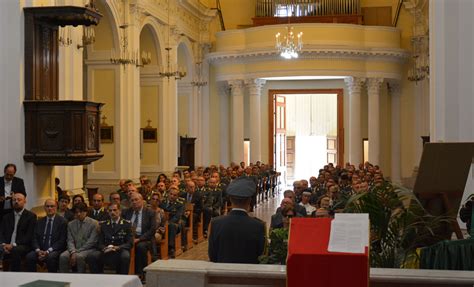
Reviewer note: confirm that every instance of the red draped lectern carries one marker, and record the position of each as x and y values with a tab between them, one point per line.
310	264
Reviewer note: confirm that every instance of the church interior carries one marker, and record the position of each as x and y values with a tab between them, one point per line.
131	89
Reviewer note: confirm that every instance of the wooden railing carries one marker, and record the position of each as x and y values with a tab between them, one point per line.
269	12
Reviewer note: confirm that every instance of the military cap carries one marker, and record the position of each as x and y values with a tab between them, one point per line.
242	187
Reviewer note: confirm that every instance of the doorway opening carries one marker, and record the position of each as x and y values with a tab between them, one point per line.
306	131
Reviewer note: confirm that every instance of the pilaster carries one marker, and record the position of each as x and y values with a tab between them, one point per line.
395	95
354	85
237	120
255	87
373	88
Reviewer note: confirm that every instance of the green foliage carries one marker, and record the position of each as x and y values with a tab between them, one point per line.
278	248
398	224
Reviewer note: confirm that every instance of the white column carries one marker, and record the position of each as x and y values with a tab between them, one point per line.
255	88
70	88
224	123
355	135
395	94
373	87
237	122
205	109
169	121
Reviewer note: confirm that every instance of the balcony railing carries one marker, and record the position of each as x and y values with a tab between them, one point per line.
269	12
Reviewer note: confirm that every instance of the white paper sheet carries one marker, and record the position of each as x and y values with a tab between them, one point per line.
349	233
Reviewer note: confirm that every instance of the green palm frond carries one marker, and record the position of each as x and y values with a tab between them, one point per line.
398	222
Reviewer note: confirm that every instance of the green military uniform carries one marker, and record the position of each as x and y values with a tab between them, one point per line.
207	201
119	235
175	224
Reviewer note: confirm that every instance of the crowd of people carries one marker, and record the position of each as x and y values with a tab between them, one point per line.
75	237
326	193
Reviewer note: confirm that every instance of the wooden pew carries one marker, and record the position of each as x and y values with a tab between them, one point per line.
163	244
189	208
200	229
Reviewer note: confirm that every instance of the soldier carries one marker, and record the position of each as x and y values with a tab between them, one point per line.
175	207
237	237
115	242
97	211
207	201
216	195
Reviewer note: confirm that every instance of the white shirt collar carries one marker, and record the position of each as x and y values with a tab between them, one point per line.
239	209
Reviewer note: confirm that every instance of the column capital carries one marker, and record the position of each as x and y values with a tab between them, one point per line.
354	84
236	87
374	84
395	88
255	86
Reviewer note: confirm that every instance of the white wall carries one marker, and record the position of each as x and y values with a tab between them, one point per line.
451	74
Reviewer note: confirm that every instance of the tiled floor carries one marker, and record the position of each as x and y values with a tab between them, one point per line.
264	211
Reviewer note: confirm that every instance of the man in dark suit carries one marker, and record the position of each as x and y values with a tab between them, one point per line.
97	211
144	228
9	184
237	237
49	239
115	242
194	197
16	232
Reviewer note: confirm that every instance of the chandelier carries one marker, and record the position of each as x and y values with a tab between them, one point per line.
289	47
170	70
124	56
198	80
420	68
88	37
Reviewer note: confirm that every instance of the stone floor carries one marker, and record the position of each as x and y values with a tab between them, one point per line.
264	211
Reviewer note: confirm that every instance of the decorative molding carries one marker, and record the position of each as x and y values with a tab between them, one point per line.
354	84
310	52
374	84
255	86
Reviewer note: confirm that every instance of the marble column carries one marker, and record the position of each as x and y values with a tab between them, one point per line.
354	85
224	123
255	88
395	94
237	120
169	109
373	88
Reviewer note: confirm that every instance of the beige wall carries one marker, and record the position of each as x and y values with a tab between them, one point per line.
183	115
149	111
103	31
104	91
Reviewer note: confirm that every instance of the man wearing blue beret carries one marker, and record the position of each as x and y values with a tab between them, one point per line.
237	237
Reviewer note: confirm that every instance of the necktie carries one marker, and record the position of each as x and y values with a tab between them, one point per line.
189	197
47	234
113	225
135	221
17	218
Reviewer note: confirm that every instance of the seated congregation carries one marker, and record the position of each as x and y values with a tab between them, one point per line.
140	222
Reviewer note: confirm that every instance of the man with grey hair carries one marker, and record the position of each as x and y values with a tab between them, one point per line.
49	239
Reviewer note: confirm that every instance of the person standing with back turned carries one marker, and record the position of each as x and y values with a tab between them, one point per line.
237	237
